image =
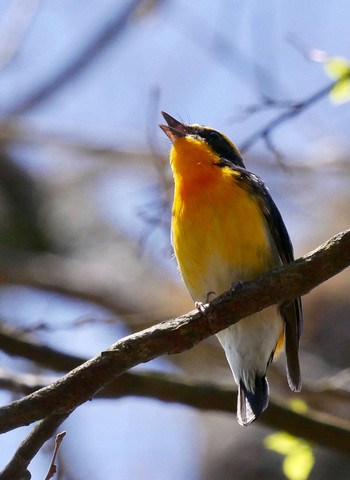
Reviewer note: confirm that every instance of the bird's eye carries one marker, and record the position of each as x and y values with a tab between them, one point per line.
214	136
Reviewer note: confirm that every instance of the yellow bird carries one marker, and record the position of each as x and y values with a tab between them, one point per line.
226	228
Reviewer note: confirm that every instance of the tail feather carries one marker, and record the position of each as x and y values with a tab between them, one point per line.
291	312
250	405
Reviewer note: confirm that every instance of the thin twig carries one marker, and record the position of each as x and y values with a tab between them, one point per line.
18	465
53	468
293	111
277	154
114	27
21	15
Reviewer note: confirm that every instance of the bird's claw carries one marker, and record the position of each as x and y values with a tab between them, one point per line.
200	307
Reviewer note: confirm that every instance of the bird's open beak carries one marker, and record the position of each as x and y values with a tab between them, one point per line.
174	129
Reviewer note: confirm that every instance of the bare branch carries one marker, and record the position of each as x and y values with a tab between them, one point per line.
277	154
17	467
165	387
25	383
94	282
53	468
21	16
58	400
182	333
94	47
294	110
14	343
206	396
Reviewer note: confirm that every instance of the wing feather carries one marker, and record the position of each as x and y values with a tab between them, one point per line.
291	312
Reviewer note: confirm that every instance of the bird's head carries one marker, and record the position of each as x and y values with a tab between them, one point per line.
197	141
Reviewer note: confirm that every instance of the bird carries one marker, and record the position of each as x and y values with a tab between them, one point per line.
226	229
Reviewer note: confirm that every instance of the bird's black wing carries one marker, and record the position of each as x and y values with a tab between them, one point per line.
290	311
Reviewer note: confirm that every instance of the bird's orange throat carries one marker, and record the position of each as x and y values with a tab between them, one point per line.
193	165
190	157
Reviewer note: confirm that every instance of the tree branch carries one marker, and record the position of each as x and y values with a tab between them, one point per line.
182	333
53	468
171	388
322	428
17	467
20	18
15	343
89	52
176	335
95	282
294	110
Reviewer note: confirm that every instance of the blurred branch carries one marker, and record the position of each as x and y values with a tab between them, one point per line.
62	275
14	343
22	199
206	396
214	42
20	18
63	396
93	282
155	385
292	111
113	28
25	383
22	133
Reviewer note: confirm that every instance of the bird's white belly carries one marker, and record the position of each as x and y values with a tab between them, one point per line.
249	343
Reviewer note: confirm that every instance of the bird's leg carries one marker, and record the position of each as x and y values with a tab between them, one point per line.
200	305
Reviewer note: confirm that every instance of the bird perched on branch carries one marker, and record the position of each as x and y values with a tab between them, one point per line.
226	228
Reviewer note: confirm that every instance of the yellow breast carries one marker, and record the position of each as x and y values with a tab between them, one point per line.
219	233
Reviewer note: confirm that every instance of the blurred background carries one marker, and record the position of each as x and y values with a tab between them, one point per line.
85	205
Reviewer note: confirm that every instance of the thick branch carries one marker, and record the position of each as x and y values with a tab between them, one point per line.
324	429
169	388
177	335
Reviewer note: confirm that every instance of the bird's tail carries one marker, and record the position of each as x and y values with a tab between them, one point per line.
250	405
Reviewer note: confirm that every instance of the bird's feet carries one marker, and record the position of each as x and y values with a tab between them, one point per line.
200	307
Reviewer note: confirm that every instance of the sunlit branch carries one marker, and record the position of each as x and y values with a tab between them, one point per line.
63	396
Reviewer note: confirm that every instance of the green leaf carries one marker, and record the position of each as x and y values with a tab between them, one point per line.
337	68
299	458
280	442
299	463
298	405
